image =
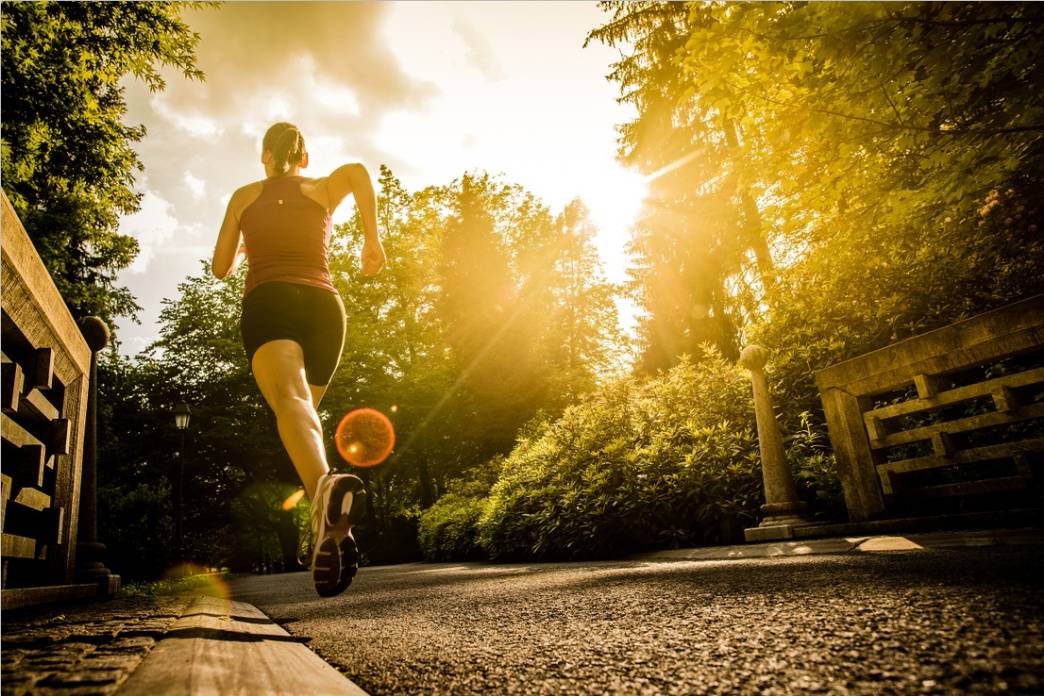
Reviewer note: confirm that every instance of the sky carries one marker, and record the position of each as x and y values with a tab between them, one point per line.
431	90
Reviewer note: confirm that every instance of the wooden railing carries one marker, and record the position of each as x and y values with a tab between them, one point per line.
958	411
45	380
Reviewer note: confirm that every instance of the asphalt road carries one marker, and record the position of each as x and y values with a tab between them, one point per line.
967	620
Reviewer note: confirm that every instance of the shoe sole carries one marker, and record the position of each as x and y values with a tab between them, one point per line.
337	560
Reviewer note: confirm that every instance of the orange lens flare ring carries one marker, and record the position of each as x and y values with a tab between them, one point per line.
365	437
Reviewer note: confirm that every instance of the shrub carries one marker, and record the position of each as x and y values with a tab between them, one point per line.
448	529
669	461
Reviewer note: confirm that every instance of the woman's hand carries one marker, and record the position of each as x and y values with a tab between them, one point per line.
373	258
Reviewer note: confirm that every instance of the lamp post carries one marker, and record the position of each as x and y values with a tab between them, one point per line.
182	415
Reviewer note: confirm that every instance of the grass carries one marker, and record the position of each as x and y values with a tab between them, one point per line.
197	583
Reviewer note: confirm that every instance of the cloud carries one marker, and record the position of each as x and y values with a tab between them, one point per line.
152	225
325	66
197	186
479	51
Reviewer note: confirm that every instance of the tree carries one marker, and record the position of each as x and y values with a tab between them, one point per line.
783	129
580	332
699	220
426	344
68	162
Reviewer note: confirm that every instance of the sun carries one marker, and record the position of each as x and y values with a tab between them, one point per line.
614	196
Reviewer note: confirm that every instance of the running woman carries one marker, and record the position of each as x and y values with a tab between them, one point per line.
293	323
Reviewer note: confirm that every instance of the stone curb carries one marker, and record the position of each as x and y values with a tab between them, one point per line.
220	646
851	545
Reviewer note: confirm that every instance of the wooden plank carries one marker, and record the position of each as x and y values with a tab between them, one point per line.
14	598
959	425
994	485
16	434
855	460
15	546
224	647
58	522
35	404
877	428
5	491
13	380
928	385
978	454
1005	399
1023	467
61	435
27	465
32	498
1009	330
952	396
943	445
18	597
41	373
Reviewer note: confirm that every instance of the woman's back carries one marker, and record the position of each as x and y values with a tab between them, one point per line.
287	235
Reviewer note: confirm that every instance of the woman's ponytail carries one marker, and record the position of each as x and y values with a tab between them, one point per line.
287	146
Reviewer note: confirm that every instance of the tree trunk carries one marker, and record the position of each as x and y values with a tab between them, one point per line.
753	229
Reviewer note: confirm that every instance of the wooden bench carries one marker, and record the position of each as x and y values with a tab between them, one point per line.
966	400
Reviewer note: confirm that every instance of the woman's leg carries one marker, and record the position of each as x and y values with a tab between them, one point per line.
317	394
278	368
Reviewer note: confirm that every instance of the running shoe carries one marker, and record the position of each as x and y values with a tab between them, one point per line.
338	505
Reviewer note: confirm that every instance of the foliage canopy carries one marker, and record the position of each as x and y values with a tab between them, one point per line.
68	162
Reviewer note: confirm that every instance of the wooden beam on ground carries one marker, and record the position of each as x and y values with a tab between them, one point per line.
223	647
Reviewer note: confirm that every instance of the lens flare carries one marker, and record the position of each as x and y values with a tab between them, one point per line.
365	437
296	496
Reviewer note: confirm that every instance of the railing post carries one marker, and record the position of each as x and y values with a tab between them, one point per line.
89	551
782	509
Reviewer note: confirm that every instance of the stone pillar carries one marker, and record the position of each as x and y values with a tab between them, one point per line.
782	509
89	551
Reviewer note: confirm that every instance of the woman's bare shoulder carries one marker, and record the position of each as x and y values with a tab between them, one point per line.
244	196
317	191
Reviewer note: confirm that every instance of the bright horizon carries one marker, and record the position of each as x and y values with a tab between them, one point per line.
430	89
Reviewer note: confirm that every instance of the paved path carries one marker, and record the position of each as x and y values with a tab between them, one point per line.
928	621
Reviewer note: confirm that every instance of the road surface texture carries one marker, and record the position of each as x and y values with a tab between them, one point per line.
936	621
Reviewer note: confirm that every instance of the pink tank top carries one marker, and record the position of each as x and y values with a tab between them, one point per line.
287	236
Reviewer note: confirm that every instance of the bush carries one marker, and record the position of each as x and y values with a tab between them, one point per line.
448	529
637	465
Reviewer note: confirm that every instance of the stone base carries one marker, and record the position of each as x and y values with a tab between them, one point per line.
797	527
773	533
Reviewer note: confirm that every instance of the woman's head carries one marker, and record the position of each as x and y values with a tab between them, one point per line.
283	148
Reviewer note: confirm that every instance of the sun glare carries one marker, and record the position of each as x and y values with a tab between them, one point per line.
614	198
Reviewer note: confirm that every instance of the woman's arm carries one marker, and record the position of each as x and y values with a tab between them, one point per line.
354	179
229	249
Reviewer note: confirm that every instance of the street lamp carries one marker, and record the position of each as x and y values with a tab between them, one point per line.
182	415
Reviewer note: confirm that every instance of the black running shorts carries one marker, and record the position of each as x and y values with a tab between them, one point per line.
311	316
